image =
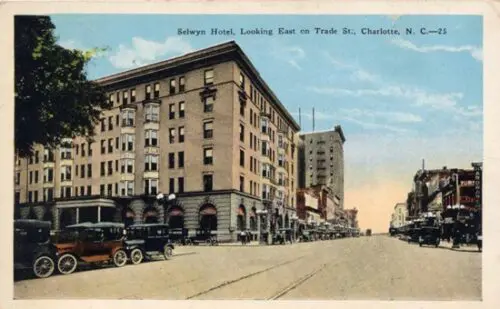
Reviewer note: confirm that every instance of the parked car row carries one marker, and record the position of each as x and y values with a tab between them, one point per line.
86	243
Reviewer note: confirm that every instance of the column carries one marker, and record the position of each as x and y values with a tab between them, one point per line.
77	215
98	213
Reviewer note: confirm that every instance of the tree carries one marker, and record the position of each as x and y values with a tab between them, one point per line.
53	97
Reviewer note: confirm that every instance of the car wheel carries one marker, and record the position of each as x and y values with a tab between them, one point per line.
67	264
44	266
136	256
167	252
120	258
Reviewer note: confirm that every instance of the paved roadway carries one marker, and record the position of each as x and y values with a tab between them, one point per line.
377	267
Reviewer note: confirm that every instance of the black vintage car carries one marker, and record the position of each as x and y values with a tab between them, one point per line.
179	236
146	240
282	236
429	235
204	236
32	247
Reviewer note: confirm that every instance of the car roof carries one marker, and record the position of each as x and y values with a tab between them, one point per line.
96	225
143	225
20	223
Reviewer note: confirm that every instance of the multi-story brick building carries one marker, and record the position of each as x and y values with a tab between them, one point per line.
204	126
321	162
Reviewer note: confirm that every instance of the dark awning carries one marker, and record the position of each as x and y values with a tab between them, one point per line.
176	212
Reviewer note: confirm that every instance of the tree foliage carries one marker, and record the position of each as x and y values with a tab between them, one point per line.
53	97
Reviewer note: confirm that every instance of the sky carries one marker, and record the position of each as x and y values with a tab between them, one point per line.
398	98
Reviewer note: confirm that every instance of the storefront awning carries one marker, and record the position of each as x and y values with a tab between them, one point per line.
208	211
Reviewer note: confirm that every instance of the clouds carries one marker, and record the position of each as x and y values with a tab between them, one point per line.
474	51
142	51
292	55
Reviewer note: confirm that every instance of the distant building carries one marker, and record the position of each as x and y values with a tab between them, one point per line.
321	162
399	215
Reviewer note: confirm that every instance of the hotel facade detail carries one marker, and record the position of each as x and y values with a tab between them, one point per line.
204	126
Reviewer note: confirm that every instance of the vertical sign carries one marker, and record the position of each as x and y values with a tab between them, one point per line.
477	185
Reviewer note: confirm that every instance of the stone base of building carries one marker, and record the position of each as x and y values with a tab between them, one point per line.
226	212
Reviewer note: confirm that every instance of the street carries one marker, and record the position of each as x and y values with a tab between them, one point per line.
377	267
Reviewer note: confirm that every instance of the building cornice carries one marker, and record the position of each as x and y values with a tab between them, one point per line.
201	58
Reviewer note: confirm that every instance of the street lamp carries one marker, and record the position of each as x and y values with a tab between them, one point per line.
166	201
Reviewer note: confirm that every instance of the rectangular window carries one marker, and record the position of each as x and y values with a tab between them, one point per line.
157	90
103	124
30	196
117	120
102	190
90	149
152	113
182	84
181	134
125	97
76	191
172	86
67	192
180	185
208	183
171	160
208	104
103	168
242	109
130	188
48	155
180	157
77	147
151	138
148	92
117	143
171	135
36	176
128	117
208	131
89	170
83	150
132	97
209	77
82	171
89	190
110	145
242	184
103	146
208	156
116	188
116	165
171	186
151	163
242	158
171	111
110	168
242	81
181	109
118	97
110	189
242	133
128	142
18	178
251	140
150	186
110	123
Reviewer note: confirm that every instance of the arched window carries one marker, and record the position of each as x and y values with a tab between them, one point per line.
208	217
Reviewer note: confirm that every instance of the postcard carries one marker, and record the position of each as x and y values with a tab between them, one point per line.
314	153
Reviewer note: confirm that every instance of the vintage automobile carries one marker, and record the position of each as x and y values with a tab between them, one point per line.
393	231
179	236
32	247
204	236
305	236
90	243
146	240
282	236
429	235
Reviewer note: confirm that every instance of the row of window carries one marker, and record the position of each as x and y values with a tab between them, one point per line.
153	91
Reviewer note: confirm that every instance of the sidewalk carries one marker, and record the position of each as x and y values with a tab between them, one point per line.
463	248
239	244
